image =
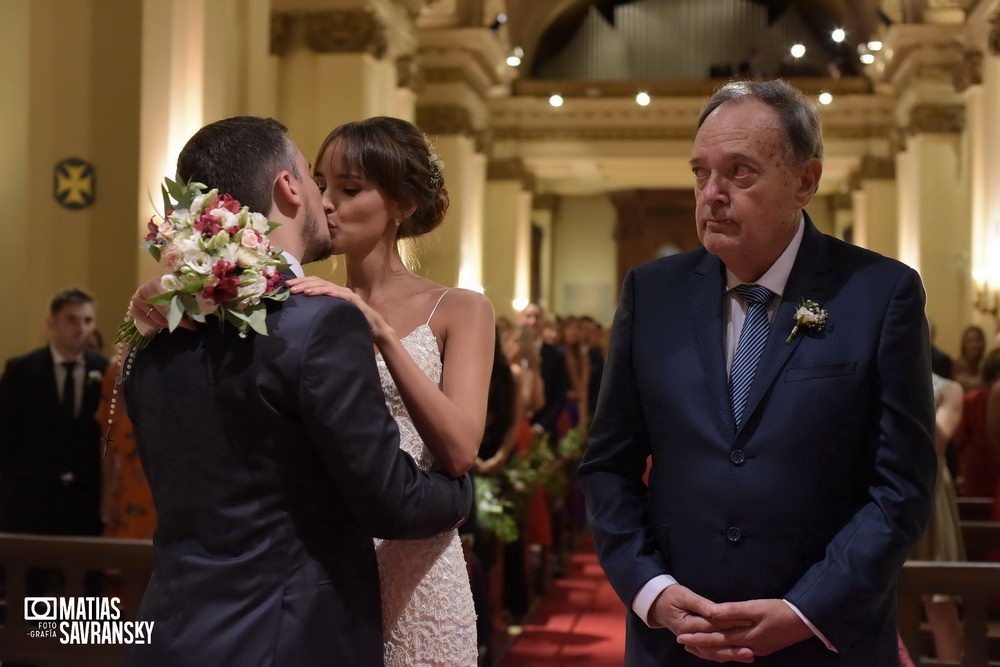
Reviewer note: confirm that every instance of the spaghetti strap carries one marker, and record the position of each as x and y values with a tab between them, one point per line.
443	294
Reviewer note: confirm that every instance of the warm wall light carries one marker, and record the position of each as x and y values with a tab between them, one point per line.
556	100
838	35
825	98
513	61
798	50
867	58
519	304
642	99
875	45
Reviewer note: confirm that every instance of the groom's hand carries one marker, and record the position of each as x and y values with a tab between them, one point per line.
773	626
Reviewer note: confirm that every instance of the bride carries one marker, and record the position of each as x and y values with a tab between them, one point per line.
381	183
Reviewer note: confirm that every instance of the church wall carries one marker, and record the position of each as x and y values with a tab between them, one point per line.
584	257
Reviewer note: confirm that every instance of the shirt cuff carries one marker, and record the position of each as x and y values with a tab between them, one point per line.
647	595
812	627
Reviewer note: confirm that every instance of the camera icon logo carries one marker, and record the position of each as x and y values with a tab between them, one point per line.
40	609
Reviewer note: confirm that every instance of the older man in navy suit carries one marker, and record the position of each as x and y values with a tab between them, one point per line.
792	457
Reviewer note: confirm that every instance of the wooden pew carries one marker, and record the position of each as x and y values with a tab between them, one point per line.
975	508
981	539
975	583
130	560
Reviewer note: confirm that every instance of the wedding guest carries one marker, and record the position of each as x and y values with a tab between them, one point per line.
942	539
966	367
126	499
553	368
941	363
49	452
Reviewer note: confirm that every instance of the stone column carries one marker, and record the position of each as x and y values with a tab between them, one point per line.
507	236
934	233
874	204
460	64
336	61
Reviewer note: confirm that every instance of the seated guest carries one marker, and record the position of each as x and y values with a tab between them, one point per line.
50	451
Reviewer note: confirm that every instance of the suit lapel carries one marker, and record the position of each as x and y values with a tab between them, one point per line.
811	277
707	289
47	376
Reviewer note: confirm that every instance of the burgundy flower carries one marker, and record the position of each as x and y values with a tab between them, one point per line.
153	230
208	225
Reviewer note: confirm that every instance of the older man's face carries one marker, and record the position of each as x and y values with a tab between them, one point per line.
749	191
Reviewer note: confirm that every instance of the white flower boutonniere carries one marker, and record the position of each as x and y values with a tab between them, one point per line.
809	317
94	376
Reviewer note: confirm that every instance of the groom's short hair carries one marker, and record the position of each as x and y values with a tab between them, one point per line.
241	157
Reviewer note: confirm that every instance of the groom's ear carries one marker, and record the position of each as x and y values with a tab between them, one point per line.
286	193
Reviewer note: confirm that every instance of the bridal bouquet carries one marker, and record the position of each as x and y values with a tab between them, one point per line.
217	260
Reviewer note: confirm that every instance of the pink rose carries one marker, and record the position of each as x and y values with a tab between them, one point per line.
171	257
251	239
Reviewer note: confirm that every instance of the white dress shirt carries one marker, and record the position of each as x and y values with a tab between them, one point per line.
293	264
734	313
78	373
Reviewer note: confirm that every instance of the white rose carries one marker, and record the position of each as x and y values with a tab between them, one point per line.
166	228
805	316
253	290
224	217
247	258
171	283
181	218
202	199
199	261
259	222
230	253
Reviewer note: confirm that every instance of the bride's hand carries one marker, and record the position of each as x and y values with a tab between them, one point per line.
313	286
150	319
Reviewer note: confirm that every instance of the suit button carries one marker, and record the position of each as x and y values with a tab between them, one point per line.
737	456
734	534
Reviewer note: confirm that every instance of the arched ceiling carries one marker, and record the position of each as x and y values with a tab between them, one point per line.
541	27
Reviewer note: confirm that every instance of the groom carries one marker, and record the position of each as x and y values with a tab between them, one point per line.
272	459
791	469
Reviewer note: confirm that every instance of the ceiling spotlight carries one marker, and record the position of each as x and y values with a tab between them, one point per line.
519	303
513	61
501	18
556	100
518	51
642	98
838	35
867	58
798	50
875	45
825	98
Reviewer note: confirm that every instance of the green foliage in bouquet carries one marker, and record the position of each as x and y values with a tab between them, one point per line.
527	469
494	513
573	444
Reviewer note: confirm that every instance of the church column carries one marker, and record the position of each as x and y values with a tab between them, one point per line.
507	236
338	61
874	204
983	102
460	64
934	230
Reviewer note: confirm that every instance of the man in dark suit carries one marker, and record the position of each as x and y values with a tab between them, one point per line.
791	468
273	459
50	442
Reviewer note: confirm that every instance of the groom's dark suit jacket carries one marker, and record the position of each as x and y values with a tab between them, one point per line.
821	493
273	461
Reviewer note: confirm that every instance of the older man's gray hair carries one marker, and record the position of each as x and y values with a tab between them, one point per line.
803	133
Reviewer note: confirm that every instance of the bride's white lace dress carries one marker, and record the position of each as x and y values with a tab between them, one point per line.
427	610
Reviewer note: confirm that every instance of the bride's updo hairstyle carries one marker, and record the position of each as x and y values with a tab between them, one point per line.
398	158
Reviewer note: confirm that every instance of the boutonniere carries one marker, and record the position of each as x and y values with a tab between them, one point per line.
809	317
94	376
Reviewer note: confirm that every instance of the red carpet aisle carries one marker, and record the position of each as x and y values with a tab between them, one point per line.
580	622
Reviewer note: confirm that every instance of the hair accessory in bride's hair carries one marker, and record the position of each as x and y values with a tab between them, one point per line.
436	166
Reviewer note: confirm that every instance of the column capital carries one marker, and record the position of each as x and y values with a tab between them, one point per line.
968	72
936	118
445	119
993	36
510	169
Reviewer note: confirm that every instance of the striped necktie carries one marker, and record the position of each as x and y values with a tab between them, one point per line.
753	336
